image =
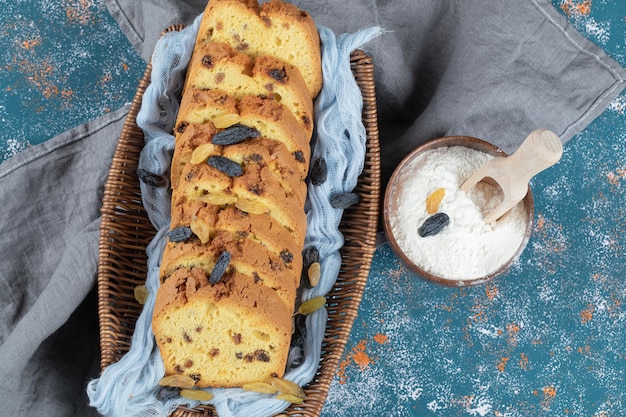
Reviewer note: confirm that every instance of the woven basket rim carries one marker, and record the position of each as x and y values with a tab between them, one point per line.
125	232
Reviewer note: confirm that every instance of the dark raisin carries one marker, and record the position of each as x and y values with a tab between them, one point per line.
235	134
187	338
225	165
310	254
306	120
319	171
220	267
179	369
182	127
278	74
261	355
149	178
434	224
167	393
207	61
256	189
239	355
179	234
286	256
239	43
237	338
344	200
300	332
196	377
222	99
214	352
299	155
294	357
188	363
255	157
249	357
275	265
256	277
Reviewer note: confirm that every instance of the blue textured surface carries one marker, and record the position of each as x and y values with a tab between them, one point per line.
61	64
547	338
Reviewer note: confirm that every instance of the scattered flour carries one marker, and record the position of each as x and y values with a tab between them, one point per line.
599	31
12	147
467	248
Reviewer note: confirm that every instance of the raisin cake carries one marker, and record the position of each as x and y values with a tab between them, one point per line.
232	262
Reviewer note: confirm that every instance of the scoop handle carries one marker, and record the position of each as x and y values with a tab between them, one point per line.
540	150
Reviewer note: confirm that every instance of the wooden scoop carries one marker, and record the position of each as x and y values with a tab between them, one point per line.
539	151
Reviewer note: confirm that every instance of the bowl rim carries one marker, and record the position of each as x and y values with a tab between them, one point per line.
448	141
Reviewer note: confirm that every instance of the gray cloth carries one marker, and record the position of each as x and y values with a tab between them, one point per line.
495	71
51	196
492	70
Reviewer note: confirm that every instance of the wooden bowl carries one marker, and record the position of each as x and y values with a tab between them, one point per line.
393	195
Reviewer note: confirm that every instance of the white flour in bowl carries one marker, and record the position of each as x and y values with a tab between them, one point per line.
467	248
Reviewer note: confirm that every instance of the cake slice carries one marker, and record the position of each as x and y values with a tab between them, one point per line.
217	66
206	220
222	335
276	29
270	119
279	271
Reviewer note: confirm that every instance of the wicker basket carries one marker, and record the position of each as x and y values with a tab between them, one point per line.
125	232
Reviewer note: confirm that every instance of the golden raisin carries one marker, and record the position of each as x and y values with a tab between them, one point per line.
312	305
176	380
202	229
286	387
250	206
260	387
141	294
202	153
196	394
290	398
434	200
218	199
225	120
314	273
